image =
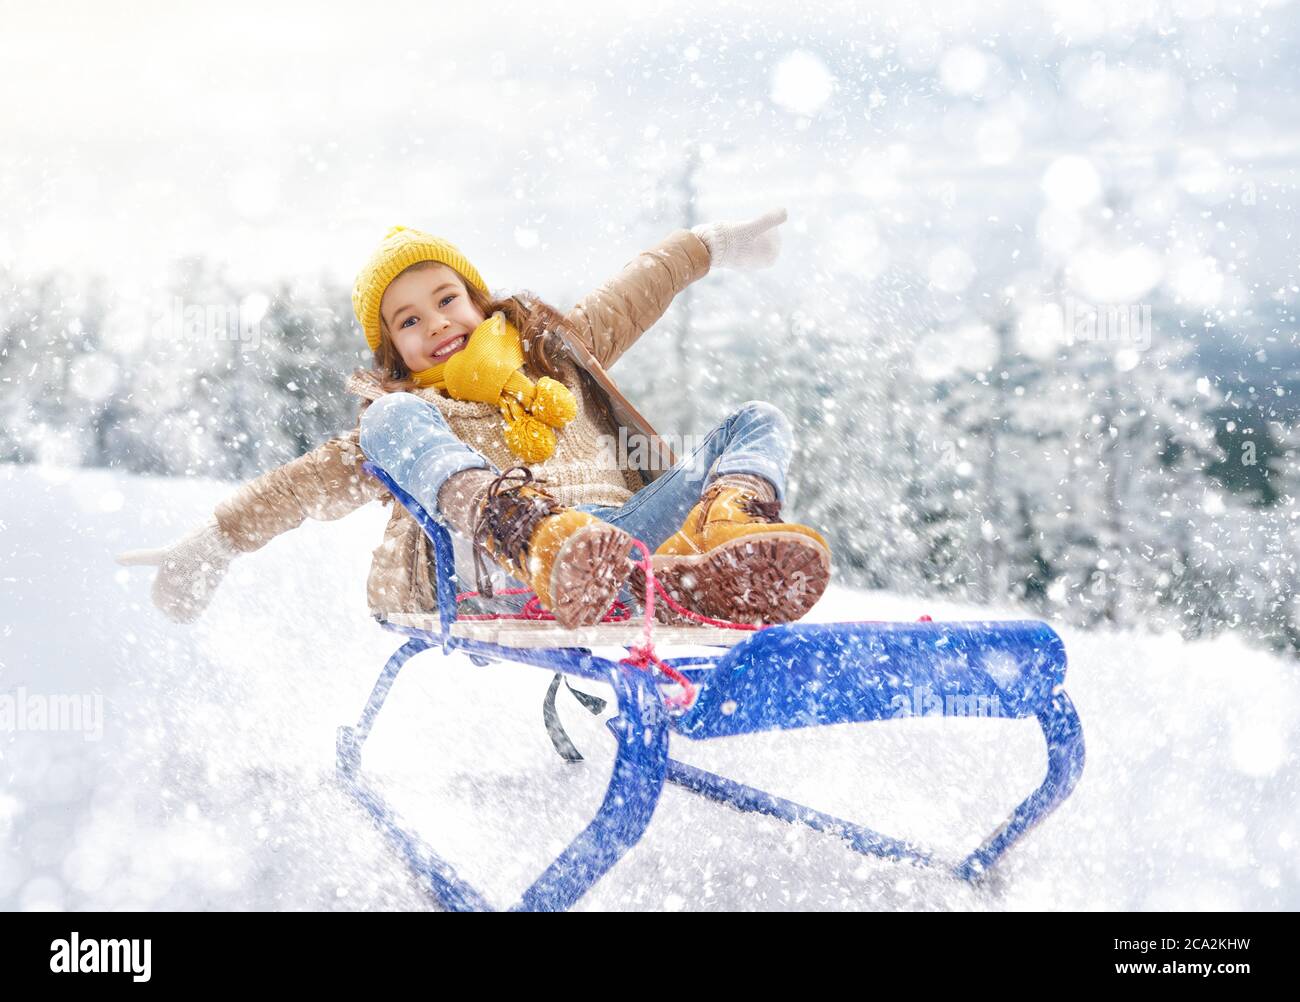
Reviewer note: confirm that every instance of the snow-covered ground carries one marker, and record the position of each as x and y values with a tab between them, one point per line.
208	781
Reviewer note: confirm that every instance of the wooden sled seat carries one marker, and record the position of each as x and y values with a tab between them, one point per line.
522	634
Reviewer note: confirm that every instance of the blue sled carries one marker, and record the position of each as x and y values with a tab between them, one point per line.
781	677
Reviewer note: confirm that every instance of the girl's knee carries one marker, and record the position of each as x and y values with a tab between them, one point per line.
762	411
391	416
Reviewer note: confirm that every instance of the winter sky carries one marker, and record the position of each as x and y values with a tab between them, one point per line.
1143	146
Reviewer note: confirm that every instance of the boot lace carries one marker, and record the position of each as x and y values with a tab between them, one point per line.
506	522
765	511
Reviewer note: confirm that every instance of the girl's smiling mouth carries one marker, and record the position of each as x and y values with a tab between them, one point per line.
449	348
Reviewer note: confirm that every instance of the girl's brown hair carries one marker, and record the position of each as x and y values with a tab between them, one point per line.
538	324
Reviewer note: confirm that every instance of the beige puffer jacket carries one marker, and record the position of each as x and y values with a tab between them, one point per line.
328	483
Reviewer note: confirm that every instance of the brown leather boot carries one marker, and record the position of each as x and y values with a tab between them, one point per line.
573	561
734	559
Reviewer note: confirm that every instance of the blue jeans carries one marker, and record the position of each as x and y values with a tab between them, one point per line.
412	441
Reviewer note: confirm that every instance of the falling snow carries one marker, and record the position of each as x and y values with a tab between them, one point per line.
1034	324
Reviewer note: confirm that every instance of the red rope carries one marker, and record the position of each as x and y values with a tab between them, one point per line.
643	655
532	610
639	655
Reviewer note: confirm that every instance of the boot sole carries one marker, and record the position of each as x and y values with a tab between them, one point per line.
772	577
589	571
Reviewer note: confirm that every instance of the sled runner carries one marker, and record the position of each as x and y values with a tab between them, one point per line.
776	677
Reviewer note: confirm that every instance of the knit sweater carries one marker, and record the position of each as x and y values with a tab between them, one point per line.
582	470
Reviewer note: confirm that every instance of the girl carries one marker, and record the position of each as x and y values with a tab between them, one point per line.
466	385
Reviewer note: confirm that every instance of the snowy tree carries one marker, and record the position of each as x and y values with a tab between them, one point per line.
1126	436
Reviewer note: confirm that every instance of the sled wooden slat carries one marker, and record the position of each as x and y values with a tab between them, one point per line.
526	634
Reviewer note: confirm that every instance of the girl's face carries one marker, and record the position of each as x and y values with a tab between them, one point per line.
429	315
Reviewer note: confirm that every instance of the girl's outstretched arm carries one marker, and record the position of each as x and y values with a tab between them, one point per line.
326	483
609	320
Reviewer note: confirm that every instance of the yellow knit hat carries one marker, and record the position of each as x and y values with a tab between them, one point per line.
401	248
